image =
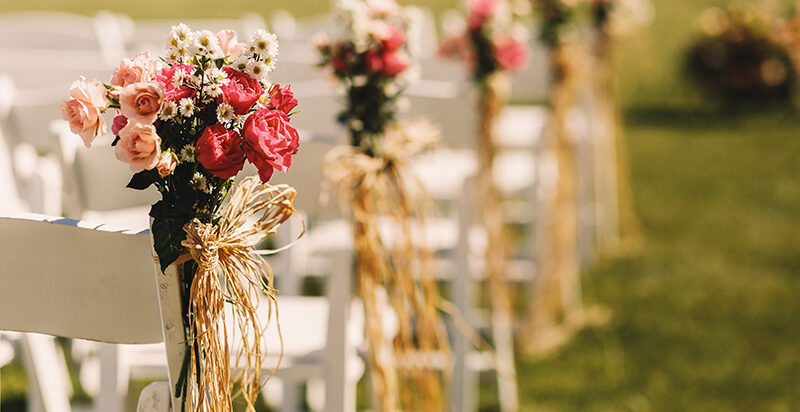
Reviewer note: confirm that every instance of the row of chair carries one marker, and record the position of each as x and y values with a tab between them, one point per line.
91	187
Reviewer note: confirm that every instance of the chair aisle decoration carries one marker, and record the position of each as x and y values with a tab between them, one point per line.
556	297
372	60
493	45
187	126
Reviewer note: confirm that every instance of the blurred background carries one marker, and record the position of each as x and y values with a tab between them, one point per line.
704	298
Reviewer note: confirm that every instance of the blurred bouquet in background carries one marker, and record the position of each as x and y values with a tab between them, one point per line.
373	58
741	57
492	38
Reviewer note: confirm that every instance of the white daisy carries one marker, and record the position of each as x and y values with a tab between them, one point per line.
225	113
264	43
187	107
168	110
199	182
187	154
178	77
213	91
205	43
240	63
257	69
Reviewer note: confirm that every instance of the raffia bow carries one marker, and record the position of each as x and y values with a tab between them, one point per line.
229	271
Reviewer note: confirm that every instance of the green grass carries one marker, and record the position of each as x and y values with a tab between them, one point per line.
705	316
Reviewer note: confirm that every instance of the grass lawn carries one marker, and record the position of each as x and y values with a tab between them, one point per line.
705	314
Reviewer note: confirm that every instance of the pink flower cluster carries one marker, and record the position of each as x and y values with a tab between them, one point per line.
488	36
378	47
250	116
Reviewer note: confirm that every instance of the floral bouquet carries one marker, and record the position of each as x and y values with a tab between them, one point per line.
493	39
186	124
373	60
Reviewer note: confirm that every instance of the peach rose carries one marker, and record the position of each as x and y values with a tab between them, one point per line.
138	69
83	110
229	44
139	146
140	102
166	164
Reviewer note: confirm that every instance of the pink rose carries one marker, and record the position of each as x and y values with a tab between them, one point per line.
83	110
139	146
511	54
479	11
139	69
270	141
220	151
282	98
229	44
166	164
395	39
165	79
394	63
140	102
373	61
383	7
119	122
242	91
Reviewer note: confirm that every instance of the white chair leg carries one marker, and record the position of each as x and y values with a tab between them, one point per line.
113	386
291	397
463	393
47	374
337	352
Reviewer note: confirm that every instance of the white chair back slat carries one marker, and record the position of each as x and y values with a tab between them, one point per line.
77	282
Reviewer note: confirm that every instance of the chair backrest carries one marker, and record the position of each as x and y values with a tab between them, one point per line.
64	280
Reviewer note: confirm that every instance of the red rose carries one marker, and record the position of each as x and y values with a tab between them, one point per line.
395	39
165	80
270	141
219	150
394	63
373	62
282	98
242	91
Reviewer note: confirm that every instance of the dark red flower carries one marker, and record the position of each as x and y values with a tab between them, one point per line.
270	141
282	98
242	91
220	151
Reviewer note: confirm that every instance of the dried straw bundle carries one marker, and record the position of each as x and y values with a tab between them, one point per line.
229	271
380	186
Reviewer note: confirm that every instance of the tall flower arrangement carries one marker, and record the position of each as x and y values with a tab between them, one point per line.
186	124
373	59
493	44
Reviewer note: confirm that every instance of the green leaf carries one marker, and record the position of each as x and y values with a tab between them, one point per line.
143	179
167	234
